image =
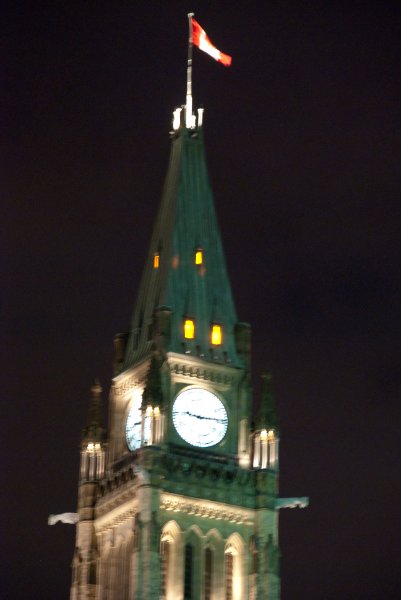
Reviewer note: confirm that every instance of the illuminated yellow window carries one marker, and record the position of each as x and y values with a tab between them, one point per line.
156	261
199	257
189	329
216	335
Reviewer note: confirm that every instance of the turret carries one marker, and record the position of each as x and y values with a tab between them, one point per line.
265	436
92	447
84	564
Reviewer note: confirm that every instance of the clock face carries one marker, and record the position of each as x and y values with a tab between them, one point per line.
200	417
134	424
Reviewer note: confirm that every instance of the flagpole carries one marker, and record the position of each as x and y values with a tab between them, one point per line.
188	105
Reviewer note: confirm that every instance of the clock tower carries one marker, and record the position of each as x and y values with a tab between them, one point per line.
180	501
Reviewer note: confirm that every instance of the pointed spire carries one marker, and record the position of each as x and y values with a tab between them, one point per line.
267	416
94	430
185	271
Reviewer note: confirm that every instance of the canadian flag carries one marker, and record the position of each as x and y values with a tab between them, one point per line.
200	39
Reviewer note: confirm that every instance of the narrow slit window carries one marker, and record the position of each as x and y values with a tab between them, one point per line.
229	564
216	335
188	572
189	329
208	573
156	260
164	567
199	257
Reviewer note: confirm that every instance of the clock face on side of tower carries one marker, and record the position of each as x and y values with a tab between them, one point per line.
199	417
133	427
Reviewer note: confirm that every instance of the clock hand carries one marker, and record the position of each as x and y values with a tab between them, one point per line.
201	417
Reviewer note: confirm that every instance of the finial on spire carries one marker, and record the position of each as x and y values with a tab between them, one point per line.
196	36
267	416
184	116
94	424
189	117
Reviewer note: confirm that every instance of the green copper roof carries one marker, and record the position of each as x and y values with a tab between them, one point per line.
186	221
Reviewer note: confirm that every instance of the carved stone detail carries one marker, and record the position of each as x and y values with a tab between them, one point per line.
206	509
206	374
116	520
115	498
120	389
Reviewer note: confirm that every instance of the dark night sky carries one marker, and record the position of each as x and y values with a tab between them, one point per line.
303	145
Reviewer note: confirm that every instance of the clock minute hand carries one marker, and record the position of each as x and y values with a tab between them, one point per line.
201	417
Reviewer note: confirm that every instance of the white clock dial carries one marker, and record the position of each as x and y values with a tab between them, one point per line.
200	417
134	424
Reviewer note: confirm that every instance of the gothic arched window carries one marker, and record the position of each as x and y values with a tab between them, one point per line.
265	449
170	562
234	568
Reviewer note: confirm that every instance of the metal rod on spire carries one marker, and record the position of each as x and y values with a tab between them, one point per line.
188	105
